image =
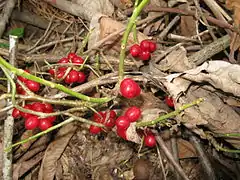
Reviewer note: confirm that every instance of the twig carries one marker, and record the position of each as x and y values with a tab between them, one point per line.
9	122
6	13
169	26
209	50
175	151
161	163
41	38
202	157
169	156
211	19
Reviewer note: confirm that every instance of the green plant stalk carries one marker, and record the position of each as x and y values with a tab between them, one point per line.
71	103
13	85
219	147
69	120
60	87
84	42
130	25
135	25
227	135
169	115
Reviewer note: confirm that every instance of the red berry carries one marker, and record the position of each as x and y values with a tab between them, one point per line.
122	122
122	133
169	101
129	88
77	60
133	113
16	113
94	129
71	55
44	124
135	50
19	88
26	115
31	122
99	117
23	79
51	119
60	74
32	85
81	77
48	108
62	69
149	140
152	46
145	45
72	77
145	55
37	106
51	71
113	114
63	61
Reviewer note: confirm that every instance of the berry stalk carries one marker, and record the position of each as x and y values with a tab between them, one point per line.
169	115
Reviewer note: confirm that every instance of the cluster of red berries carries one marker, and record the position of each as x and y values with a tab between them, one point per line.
33	121
107	118
144	50
32	85
123	122
73	76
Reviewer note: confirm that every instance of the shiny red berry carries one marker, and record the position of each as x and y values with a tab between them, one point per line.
48	108
60	74
63	61
44	124
61	68
150	140
71	55
122	122
72	77
135	50
51	71
31	122
51	119
99	117
145	55
122	133
169	101
26	115
37	106
32	85
145	45
81	77
133	113
94	129
77	60
152	46
129	88
16	113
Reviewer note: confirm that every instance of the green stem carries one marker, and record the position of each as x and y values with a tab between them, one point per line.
62	88
130	25
69	120
169	115
13	89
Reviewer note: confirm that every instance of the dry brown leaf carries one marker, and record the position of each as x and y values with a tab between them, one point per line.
122	4
185	149
187	24
54	152
104	26
176	61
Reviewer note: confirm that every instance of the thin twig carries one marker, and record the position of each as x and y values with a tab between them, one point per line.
169	156
169	26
